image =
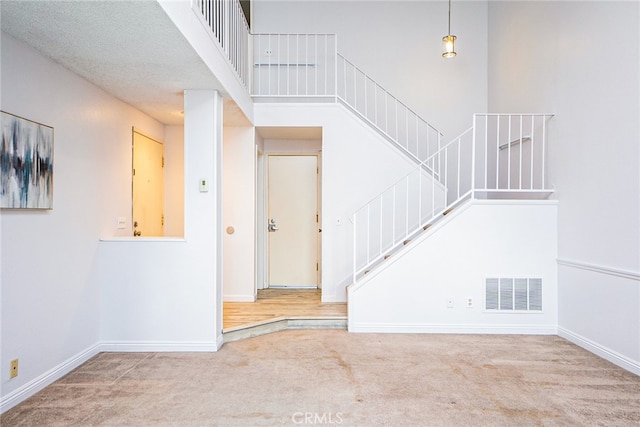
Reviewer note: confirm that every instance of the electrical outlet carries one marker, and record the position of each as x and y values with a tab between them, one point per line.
268	52
450	302
469	302
13	369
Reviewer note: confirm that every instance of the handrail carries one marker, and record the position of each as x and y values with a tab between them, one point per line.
422	165
387	221
307	66
373	105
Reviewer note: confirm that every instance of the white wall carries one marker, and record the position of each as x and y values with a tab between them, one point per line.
487	239
239	213
261	212
357	163
163	294
398	43
50	289
581	61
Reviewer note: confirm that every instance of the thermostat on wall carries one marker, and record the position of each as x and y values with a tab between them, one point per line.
204	185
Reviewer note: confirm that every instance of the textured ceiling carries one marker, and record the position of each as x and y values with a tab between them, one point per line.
131	49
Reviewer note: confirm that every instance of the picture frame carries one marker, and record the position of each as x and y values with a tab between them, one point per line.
26	163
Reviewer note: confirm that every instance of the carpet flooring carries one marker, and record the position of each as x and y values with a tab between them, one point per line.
331	377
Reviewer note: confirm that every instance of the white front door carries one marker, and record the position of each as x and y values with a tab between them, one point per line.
293	220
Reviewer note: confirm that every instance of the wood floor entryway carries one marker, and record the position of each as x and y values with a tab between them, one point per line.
275	304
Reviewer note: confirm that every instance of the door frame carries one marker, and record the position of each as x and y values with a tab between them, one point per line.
261	219
265	211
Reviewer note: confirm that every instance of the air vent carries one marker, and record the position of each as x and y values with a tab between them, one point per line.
513	294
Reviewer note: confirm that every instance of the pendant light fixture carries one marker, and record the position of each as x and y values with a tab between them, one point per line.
449	40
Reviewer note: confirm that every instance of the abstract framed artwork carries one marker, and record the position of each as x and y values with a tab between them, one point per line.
26	163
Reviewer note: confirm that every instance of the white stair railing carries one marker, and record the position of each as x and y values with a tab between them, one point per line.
294	65
226	21
374	104
511	151
502	155
387	222
308	66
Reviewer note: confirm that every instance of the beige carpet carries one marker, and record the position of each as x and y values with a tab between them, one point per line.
335	378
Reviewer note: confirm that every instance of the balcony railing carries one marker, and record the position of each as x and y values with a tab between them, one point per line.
308	66
229	28
294	65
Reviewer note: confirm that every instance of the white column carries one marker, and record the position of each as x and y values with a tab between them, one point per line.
203	189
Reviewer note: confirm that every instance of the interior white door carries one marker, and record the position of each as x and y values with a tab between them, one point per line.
293	220
148	186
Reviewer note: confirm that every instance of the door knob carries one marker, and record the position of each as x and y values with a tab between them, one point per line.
272	225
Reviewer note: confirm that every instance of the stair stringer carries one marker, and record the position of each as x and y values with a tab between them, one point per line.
408	293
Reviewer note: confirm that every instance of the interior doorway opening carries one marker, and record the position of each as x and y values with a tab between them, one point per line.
296	152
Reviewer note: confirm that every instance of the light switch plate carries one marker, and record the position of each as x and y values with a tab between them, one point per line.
122	223
204	185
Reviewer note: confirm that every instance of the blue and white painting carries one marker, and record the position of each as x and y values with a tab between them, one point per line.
26	164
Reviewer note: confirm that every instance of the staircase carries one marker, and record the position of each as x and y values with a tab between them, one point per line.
500	156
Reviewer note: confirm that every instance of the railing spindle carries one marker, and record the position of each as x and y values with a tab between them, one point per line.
531	186
498	153
509	153
520	161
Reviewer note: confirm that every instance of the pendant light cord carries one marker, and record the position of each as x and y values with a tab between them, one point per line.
449	31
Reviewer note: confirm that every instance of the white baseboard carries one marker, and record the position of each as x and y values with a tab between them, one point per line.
158	346
32	387
442	328
604	352
239	298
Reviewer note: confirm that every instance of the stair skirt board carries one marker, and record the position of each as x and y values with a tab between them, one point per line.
281	324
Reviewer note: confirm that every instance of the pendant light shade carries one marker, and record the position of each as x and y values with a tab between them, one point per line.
449	40
449	46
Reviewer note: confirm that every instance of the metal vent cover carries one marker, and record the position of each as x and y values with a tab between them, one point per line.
512	294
